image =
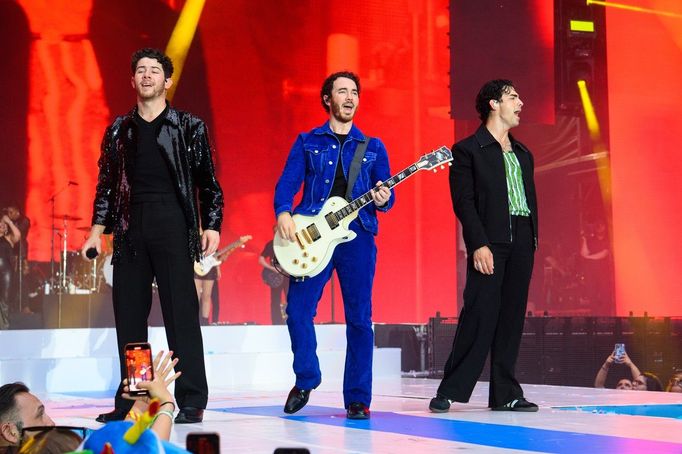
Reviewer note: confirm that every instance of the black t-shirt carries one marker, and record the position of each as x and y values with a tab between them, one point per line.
340	184
268	250
152	175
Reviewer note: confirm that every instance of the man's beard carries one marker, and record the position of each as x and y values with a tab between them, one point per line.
155	93
337	111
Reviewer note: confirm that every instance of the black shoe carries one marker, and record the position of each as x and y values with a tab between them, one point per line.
189	415
520	404
439	404
117	414
356	410
296	400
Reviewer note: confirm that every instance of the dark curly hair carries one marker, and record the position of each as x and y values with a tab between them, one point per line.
149	52
329	83
493	89
652	382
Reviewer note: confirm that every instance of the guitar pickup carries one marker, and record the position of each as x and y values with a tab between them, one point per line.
331	221
313	232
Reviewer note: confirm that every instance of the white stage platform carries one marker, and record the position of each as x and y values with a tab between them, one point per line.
85	360
75	371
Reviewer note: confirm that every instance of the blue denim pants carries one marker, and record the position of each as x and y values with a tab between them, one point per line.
355	263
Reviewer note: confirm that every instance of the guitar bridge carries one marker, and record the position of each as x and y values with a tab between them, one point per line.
306	236
299	242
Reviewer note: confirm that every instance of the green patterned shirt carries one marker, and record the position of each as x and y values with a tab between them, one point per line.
517	195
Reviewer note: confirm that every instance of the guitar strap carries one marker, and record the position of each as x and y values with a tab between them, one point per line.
354	170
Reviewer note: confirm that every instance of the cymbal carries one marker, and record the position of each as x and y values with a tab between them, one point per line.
84	229
67	217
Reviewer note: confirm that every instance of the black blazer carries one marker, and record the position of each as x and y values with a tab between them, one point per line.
183	139
478	187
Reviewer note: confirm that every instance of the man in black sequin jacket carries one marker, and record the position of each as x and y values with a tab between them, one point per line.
155	164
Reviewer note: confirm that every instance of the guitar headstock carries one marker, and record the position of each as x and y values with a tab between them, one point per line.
434	159
243	239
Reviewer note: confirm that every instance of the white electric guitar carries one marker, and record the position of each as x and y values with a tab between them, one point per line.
317	236
205	265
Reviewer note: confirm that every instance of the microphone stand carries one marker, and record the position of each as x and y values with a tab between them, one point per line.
20	266
53	231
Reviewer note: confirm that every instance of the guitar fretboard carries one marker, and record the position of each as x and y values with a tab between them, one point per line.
366	198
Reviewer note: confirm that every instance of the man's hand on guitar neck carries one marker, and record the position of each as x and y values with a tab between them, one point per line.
286	226
381	194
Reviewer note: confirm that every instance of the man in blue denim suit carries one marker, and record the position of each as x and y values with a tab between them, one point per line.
320	159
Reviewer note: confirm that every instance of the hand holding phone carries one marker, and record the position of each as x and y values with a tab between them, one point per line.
139	366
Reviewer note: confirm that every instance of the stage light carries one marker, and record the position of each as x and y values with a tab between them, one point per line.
181	39
588	109
583	26
638	9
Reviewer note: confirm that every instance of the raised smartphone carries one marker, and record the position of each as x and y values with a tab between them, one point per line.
139	366
619	352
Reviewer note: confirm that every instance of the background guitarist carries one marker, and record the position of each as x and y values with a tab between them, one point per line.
205	288
278	283
320	160
206	273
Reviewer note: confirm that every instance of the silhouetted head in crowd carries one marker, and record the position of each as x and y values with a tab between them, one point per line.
675	382
58	440
647	382
624	383
19	409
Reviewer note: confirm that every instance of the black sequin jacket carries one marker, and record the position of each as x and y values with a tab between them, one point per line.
184	140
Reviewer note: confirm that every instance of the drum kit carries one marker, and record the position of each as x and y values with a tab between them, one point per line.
77	275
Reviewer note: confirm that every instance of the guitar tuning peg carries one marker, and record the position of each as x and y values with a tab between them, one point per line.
435	170
449	164
442	166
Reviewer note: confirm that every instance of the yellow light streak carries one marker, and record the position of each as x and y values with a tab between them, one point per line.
181	39
638	9
602	163
590	115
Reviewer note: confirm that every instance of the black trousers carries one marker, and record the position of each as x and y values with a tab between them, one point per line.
492	320
158	234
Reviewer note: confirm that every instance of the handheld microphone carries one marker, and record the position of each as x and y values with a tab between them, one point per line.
91	253
73	183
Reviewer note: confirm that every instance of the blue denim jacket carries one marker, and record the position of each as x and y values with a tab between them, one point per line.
313	159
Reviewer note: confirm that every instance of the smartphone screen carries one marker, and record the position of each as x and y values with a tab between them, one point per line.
139	366
203	443
619	352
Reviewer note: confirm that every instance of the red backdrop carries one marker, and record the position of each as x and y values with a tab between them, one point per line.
645	100
254	73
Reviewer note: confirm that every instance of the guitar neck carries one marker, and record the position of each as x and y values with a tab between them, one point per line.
366	198
227	248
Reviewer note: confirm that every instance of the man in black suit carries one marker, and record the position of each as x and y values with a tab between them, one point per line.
493	195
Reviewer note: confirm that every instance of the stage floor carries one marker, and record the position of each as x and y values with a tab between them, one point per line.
251	420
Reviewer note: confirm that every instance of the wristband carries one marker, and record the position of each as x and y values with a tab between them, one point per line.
164	412
166	403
